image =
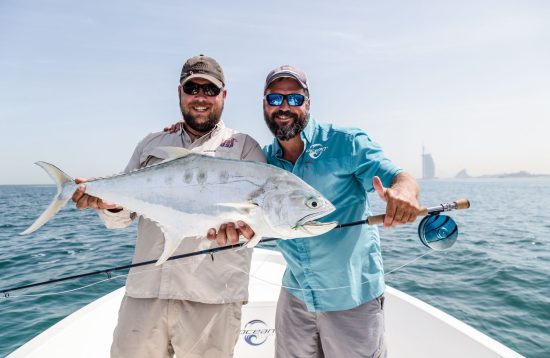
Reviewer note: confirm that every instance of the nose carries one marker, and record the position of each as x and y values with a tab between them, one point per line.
285	105
201	93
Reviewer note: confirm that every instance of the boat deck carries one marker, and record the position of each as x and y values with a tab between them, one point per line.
413	328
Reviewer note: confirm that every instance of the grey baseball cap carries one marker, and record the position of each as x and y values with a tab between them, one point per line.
202	66
287	71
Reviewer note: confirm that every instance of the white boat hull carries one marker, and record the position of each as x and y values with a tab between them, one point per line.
413	328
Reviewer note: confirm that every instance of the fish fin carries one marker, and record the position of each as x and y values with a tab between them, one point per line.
172	241
171	153
252	242
244	207
65	191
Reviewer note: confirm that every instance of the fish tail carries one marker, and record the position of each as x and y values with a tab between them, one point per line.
252	242
65	188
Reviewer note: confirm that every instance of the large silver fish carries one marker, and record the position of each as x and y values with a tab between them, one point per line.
189	193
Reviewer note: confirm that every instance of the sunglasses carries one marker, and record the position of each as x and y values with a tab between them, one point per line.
209	89
293	99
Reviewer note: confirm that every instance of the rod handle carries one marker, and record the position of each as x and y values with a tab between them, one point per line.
379	219
462	204
376	219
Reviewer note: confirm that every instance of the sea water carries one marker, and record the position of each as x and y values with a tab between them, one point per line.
496	278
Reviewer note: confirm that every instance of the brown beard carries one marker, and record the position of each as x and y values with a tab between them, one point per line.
211	121
289	131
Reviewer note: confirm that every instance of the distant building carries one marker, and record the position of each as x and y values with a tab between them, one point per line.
428	165
463	174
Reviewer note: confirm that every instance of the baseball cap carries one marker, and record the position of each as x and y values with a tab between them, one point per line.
287	71
202	66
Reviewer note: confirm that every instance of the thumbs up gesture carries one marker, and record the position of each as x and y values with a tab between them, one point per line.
401	198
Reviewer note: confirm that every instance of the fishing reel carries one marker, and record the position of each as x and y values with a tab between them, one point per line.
438	232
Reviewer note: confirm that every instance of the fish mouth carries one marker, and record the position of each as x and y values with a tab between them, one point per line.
312	227
315	228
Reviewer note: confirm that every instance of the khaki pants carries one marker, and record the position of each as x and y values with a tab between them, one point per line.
354	333
152	327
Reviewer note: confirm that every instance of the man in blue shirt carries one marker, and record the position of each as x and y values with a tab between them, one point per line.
331	302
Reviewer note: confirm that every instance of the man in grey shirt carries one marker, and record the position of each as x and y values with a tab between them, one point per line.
188	307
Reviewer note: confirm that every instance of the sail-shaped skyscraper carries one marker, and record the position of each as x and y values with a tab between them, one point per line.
428	165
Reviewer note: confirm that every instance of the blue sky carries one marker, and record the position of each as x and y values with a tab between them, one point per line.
82	83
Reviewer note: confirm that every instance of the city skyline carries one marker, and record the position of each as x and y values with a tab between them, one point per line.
429	171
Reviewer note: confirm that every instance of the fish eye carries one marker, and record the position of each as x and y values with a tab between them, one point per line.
312	203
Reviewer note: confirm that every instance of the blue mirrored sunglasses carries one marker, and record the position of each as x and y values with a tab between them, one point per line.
293	99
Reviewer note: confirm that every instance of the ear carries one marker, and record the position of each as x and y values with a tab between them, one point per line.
224	94
180	91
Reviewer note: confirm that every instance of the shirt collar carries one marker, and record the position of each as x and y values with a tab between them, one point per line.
218	127
309	131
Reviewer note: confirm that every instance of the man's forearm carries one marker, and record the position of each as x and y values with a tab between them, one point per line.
405	182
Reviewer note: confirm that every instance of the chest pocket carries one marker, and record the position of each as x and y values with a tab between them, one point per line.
229	153
153	156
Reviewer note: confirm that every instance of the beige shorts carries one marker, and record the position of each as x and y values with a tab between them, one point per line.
152	327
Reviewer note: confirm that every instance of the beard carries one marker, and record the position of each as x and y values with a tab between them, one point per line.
202	126
288	131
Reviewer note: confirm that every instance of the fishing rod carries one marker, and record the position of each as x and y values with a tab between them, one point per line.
434	210
137	264
437	232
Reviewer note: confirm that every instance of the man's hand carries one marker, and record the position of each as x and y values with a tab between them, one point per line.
230	233
176	127
401	198
84	201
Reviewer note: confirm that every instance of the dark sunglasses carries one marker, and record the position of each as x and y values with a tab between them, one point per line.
293	99
209	89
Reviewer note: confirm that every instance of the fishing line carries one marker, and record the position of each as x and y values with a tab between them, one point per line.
109	277
179	263
252	275
301	290
323	289
210	251
6	292
408	263
63	292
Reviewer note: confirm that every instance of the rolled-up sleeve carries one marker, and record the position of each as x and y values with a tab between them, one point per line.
117	220
124	218
369	161
252	151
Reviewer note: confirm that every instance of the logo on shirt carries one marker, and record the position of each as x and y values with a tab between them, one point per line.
256	332
228	143
316	150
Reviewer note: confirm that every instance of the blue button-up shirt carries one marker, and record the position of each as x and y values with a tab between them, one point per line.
342	268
